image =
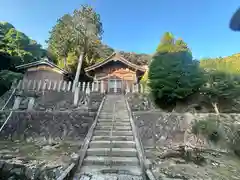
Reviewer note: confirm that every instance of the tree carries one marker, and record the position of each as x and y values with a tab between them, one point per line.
173	75
77	34
220	87
86	31
1	38
16	43
15	48
166	43
59	41
228	64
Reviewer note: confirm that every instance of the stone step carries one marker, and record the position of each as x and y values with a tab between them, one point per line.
115	161
111	120
105	117
113	133
114	138
116	152
112	144
115	123
117	128
93	169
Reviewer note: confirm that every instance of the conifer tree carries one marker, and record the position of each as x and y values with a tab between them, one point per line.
173	75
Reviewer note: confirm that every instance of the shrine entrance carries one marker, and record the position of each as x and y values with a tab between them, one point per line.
115	85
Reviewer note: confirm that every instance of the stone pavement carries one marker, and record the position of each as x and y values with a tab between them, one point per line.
109	177
112	153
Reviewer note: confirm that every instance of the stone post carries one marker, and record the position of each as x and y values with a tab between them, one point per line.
44	86
88	88
141	88
55	85
127	88
102	86
69	86
92	86
64	85
76	96
39	85
83	86
115	86
137	89
97	86
31	103
23	84
17	102
19	84
49	85
79	85
108	85
34	84
59	86
29	84
133	88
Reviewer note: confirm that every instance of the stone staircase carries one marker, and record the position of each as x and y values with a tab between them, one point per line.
112	149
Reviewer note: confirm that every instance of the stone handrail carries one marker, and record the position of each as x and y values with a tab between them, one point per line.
145	164
69	171
14	90
5	122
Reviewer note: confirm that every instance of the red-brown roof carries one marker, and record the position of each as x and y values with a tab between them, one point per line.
115	57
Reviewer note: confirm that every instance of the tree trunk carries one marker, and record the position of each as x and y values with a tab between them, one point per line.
80	60
65	63
215	108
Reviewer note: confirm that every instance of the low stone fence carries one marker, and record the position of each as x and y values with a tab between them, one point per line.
95	86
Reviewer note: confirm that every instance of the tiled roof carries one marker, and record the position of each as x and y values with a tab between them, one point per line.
115	57
41	62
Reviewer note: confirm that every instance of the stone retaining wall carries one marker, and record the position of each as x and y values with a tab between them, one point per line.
168	128
40	125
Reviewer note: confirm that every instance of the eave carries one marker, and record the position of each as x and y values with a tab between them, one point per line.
114	57
37	63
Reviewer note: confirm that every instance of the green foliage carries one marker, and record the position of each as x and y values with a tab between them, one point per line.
73	34
228	64
209	128
7	77
173	75
16	43
139	59
15	48
221	86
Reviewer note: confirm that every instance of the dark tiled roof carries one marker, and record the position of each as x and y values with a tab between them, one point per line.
115	57
41	62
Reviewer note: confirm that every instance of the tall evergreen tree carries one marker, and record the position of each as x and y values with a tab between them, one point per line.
173	75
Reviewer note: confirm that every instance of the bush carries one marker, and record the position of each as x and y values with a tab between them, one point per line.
209	128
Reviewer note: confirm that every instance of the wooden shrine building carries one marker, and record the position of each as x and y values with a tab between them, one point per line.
42	70
116	71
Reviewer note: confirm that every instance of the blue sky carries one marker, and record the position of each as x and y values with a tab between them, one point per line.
137	26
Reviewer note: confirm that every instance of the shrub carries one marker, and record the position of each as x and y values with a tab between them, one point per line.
209	128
